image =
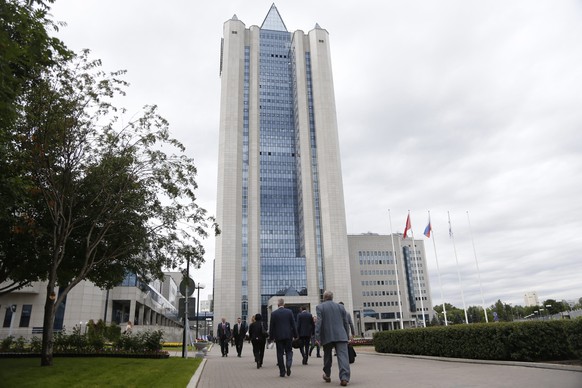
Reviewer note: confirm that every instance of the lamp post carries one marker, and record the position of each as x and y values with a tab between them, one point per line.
548	307
186	320
198	308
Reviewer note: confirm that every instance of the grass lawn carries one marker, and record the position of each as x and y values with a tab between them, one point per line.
98	372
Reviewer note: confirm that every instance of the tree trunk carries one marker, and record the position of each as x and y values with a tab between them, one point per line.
46	355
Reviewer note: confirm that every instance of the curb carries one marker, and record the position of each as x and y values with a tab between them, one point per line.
539	365
193	383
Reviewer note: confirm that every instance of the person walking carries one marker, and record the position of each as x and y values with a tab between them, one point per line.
258	336
248	337
305	329
333	331
239	332
314	342
350	321
282	330
223	332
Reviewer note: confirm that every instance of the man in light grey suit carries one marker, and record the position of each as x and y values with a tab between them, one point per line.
333	331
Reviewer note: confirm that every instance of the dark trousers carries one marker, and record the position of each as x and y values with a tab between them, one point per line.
284	348
239	344
313	345
259	350
304	348
224	345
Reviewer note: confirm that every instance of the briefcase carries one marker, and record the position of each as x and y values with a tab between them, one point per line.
351	354
297	343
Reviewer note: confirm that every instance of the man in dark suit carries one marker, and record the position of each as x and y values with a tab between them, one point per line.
333	331
305	329
239	331
282	330
224	335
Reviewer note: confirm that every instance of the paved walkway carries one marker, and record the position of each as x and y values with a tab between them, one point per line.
378	370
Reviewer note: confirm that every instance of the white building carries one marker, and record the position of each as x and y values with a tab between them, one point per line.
531	299
143	304
390	283
280	201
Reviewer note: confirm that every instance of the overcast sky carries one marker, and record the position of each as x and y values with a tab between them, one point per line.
460	106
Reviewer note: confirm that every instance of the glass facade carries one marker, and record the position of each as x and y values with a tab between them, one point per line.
407	260
269	155
283	269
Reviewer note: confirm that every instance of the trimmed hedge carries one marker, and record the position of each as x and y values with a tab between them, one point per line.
517	341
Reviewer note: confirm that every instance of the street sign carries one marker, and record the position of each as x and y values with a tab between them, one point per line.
191	286
191	308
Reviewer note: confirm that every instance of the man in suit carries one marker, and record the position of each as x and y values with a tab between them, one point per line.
305	328
239	332
333	331
350	321
282	330
224	335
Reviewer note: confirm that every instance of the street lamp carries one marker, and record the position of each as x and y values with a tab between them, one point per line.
198	308
548	307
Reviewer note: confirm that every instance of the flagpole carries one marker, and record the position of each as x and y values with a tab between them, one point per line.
396	271
418	274
478	271
438	269
458	269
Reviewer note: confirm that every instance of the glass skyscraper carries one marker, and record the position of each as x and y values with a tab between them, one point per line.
280	202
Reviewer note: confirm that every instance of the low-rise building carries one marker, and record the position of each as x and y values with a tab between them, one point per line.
390	283
22	311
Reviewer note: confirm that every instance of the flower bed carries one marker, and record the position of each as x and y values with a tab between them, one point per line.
362	341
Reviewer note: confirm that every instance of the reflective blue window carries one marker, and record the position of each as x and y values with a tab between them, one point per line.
283	268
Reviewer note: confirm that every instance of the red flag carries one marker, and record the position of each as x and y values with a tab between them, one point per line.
408	226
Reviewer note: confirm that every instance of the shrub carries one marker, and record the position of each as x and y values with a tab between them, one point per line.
19	345
6	343
92	342
521	341
35	344
112	333
152	340
574	337
60	340
147	341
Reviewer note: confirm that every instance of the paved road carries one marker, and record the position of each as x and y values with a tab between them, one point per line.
377	370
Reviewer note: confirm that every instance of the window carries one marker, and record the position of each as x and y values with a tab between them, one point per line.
7	317
25	315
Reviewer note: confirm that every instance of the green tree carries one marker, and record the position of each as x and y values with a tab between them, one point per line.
555	307
454	315
501	311
26	51
103	199
475	314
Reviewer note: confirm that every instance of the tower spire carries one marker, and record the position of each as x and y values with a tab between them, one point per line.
273	20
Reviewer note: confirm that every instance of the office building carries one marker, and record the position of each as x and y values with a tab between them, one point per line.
390	283
531	299
150	306
280	202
